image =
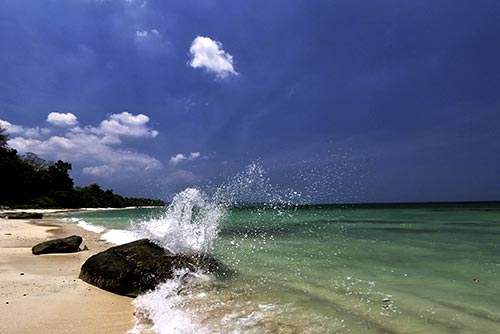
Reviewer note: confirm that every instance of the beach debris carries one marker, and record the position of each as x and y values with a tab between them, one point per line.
21	274
64	245
139	266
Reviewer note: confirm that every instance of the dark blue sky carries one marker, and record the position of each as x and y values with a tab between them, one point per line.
357	101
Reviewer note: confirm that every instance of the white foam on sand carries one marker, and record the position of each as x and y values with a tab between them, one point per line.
87	226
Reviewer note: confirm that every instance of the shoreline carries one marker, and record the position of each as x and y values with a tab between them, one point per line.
63	210
43	294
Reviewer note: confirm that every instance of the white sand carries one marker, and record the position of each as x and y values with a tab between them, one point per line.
42	293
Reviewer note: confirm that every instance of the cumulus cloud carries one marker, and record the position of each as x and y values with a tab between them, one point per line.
13	129
62	119
126	125
178	158
207	53
98	149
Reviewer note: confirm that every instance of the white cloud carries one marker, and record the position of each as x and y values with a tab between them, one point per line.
61	119
12	129
178	158
97	149
126	125
141	34
103	170
194	155
207	53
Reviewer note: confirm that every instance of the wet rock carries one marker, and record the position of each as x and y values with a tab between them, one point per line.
21	215
139	266
64	245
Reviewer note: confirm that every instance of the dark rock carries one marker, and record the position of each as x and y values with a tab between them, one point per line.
21	215
64	245
139	266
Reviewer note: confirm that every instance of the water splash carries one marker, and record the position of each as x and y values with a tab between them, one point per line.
189	224
253	186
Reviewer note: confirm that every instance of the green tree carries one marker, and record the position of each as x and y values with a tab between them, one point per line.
35	161
59	176
3	138
16	176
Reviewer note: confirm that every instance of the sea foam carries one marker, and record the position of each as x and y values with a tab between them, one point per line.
87	226
161	310
190	224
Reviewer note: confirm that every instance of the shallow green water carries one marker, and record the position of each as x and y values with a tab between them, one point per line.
414	269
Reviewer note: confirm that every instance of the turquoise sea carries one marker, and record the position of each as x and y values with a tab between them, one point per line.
419	268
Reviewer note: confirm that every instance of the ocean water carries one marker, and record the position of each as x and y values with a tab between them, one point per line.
420	268
325	269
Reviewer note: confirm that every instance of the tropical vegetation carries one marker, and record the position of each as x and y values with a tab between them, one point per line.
30	181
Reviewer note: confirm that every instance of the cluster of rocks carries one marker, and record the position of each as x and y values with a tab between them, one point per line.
129	269
21	215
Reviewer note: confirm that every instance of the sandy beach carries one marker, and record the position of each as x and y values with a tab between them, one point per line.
42	293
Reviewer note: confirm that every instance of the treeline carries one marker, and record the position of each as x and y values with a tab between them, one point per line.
29	181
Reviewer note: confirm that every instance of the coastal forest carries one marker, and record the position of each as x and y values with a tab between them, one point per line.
30	181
